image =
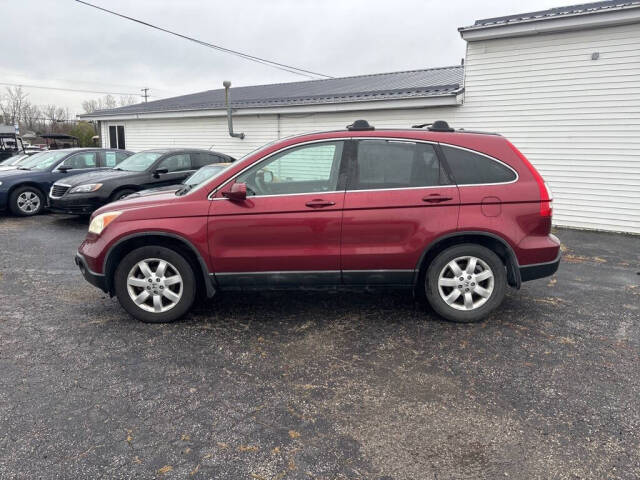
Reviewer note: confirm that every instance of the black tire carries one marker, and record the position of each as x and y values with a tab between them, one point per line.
177	262
120	194
16	196
465	316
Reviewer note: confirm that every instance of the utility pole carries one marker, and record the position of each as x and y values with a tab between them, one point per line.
145	94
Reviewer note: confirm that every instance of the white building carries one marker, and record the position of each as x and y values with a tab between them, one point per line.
562	84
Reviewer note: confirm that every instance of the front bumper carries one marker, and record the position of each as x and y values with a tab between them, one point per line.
539	270
76	204
96	279
4	200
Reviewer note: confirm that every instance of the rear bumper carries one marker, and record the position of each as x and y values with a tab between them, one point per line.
539	270
96	279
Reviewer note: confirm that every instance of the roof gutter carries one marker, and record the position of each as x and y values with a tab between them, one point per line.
628	14
450	99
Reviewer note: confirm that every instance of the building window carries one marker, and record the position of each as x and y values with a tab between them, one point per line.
116	137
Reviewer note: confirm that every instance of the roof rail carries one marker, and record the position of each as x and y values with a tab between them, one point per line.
437	126
360	125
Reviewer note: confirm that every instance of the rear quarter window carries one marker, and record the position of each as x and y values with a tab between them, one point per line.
469	168
200	159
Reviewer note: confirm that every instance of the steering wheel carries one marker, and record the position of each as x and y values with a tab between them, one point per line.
261	184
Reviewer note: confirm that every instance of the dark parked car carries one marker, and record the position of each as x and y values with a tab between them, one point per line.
24	190
453	216
205	174
83	194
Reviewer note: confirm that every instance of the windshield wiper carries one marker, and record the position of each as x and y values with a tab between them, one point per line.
185	189
116	168
24	168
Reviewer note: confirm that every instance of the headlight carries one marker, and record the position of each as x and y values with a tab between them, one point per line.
90	187
99	223
0	184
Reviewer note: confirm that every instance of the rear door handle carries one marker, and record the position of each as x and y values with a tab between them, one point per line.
436	198
319	203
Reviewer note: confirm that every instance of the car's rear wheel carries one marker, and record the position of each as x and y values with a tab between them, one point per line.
26	201
155	284
464	283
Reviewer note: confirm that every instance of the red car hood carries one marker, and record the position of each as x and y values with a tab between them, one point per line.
161	205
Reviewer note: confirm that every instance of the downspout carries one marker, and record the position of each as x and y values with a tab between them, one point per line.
226	85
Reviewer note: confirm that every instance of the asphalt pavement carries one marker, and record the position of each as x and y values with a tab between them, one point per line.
334	385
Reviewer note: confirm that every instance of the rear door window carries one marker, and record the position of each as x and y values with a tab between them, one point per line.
390	164
469	168
176	163
82	160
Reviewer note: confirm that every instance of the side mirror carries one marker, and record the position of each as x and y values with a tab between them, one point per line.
158	171
237	192
64	168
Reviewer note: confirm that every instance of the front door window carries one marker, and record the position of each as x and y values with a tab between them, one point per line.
306	169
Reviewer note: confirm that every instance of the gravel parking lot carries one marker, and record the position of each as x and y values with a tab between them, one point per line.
318	385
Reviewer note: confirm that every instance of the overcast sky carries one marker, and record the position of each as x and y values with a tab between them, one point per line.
63	43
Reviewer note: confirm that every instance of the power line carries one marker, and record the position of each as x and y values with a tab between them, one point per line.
246	56
42	87
76	81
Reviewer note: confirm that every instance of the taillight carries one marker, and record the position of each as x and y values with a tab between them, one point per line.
546	196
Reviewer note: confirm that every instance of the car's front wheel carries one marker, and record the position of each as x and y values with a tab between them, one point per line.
464	283
155	284
26	201
121	194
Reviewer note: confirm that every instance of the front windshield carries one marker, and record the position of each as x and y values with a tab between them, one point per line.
204	174
44	160
139	162
14	160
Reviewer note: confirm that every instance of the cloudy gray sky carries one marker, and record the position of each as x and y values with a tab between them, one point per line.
63	43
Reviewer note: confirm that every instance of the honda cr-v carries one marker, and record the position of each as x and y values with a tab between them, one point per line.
454	216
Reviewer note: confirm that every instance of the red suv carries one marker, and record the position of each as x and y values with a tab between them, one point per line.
454	215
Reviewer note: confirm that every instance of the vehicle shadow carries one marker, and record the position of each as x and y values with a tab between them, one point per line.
298	307
69	220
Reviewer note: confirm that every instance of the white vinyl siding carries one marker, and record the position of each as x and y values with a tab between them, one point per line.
202	132
212	133
576	119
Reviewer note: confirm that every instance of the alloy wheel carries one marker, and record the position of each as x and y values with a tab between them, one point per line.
28	202
466	283
155	285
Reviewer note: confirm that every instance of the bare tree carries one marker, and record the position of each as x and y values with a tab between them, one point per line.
12	104
128	100
32	117
103	103
90	106
55	116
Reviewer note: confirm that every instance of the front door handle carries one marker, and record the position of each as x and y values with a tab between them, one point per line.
319	203
436	198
